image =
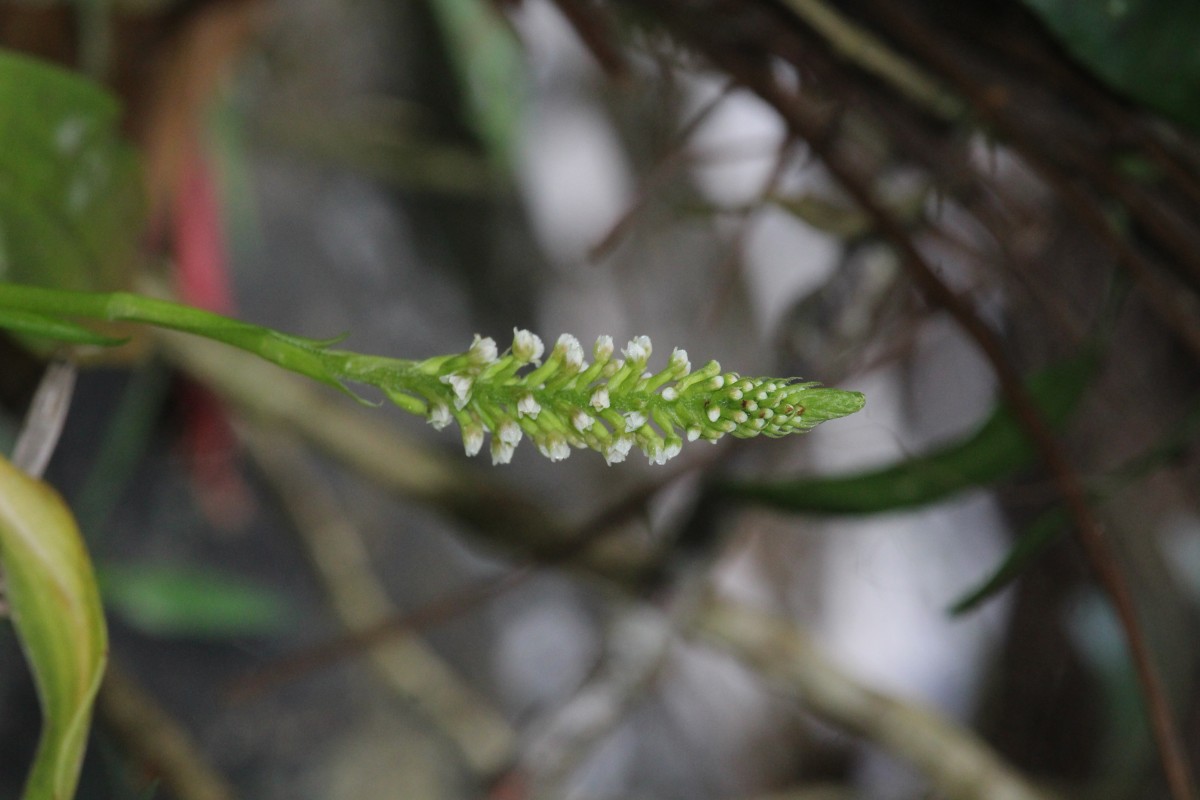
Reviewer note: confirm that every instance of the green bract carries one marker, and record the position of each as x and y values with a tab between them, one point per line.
610	405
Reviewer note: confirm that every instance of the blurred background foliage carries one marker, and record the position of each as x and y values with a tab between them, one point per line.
982	215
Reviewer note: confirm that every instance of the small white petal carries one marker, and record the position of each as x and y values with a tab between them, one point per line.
527	347
618	449
714	414
572	351
740	417
527	406
439	416
603	349
461	384
510	433
673	449
554	447
638	349
502	452
581	421
473	439
634	420
717	382
483	351
670	393
680	363
693	433
735	394
600	399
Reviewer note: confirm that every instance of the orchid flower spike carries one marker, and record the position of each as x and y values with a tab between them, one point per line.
611	406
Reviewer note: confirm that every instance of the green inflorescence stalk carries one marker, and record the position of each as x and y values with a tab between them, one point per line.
611	405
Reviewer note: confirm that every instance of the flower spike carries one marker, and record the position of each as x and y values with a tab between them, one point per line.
611	406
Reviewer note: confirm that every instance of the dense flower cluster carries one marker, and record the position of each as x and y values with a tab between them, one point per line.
611	405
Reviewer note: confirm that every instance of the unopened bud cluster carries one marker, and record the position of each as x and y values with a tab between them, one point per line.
611	405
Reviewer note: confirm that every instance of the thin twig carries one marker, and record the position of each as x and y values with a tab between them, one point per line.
955	761
1087	528
163	749
1178	308
406	665
44	421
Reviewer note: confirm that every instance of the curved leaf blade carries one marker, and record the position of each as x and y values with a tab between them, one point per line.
57	614
997	449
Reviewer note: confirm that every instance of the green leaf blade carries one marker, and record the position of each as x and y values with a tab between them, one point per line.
997	449
71	209
188	601
57	614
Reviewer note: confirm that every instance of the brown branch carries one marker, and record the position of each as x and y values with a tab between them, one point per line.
1177	308
160	746
954	760
1087	528
407	665
752	68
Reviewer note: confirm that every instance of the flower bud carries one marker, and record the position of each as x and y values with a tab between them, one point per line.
439	416
638	350
527	347
482	352
603	349
472	438
527	406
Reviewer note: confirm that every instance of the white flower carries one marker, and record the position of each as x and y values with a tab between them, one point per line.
693	433
572	352
527	406
604	348
502	451
714	414
638	349
439	416
617	449
634	420
554	447
670	393
679	362
674	447
483	351
461	384
599	399
527	347
509	433
582	421
655	454
472	439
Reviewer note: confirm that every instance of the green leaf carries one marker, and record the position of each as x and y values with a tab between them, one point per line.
70	198
999	448
487	59
56	610
1040	535
1146	49
186	601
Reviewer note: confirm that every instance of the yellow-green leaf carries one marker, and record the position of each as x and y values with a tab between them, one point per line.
56	610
